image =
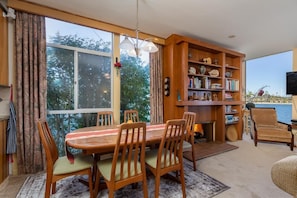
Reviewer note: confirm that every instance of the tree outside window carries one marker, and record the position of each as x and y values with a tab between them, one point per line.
79	79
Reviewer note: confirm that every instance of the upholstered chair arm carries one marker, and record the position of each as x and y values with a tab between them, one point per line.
284	125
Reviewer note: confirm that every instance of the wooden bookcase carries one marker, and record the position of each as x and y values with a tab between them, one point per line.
206	79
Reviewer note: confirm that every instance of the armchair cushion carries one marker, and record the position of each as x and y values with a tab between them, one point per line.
274	133
266	118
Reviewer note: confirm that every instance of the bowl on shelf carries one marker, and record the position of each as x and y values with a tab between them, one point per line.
192	70
214	73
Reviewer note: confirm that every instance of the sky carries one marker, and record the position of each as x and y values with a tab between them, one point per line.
269	71
64	28
53	26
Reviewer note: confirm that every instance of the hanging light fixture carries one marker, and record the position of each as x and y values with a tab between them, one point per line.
134	48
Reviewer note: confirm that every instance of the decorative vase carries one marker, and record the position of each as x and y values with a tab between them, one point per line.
202	70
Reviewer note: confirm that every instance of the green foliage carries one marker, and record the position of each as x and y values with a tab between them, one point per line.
85	43
60	79
135	92
135	87
61	124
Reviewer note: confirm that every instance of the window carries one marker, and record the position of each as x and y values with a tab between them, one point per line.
79	70
266	83
79	73
135	84
79	78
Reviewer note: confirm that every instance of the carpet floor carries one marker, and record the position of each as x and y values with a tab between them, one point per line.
207	149
198	185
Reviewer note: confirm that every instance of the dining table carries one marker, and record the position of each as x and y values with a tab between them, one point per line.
102	140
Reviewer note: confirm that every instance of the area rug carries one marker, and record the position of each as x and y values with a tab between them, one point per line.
207	149
198	185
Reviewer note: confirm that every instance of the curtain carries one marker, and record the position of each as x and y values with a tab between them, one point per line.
156	86
31	85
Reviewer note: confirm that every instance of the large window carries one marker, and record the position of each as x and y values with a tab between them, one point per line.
79	70
266	83
135	84
79	78
79	73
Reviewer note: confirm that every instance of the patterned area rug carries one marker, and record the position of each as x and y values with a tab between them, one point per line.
198	185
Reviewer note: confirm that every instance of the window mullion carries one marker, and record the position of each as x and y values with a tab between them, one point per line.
75	79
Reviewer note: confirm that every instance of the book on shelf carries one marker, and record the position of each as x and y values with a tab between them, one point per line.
228	119
228	96
232	85
206	82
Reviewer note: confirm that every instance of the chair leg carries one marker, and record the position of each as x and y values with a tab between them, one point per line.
48	185
91	183
182	181
110	193
194	160
144	186
157	184
97	183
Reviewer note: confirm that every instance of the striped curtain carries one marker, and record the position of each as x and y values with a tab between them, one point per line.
31	86
156	86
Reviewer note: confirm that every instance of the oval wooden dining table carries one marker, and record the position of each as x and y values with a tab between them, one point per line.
101	140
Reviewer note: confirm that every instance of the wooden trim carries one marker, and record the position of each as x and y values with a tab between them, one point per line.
181	39
73	18
3	51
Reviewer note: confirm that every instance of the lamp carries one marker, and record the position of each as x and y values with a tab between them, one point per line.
133	48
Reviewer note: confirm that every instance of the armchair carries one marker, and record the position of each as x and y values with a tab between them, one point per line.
268	128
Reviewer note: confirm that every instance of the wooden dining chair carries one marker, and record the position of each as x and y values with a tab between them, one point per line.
188	143
131	116
168	157
105	118
57	167
127	165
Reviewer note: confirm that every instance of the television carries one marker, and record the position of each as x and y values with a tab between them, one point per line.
291	83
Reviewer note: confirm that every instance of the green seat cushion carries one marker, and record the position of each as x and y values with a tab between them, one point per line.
81	162
105	168
151	158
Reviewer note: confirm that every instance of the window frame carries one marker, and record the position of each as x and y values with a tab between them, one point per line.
77	50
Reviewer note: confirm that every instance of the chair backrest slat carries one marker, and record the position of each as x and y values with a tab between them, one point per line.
105	118
48	143
130	147
170	150
190	118
131	116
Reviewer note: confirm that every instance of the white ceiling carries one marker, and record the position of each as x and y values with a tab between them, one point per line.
261	27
